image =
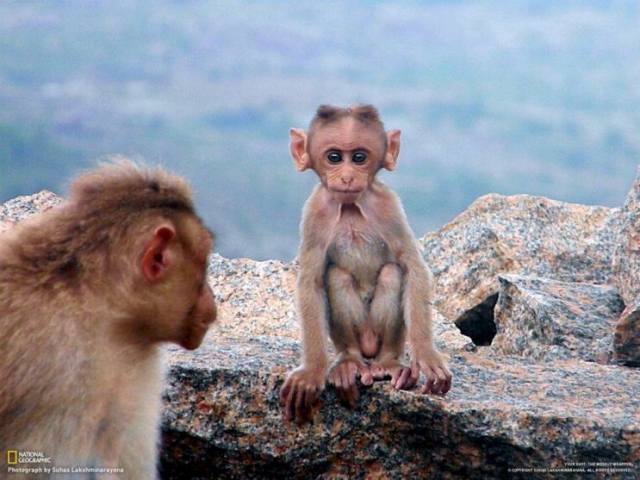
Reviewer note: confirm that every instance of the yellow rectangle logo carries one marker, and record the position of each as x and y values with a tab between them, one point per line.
12	457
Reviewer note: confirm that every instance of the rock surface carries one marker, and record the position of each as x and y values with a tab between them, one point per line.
546	319
222	420
525	406
626	344
520	234
626	263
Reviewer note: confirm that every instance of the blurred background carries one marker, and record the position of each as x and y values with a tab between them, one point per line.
537	97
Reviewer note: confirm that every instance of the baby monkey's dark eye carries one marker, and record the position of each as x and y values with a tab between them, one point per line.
359	157
334	157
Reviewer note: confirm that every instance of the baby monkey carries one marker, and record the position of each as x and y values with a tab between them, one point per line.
362	280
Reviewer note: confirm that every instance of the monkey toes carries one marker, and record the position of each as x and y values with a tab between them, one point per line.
378	372
343	377
402	378
438	381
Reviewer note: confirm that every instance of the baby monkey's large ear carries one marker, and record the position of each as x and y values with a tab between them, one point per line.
390	159
299	149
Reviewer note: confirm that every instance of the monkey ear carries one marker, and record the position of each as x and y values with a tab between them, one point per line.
301	158
156	258
393	149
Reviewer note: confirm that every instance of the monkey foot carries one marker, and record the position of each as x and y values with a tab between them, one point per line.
402	378
343	375
378	372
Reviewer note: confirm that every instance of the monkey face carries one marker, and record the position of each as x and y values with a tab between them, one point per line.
197	321
180	307
346	156
202	311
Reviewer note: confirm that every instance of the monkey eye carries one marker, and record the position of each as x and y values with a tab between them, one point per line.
359	157
334	157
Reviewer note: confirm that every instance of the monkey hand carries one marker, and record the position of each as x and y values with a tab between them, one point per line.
433	366
300	393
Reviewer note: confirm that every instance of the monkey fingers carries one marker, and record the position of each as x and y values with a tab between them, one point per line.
298	399
305	400
401	378
343	377
438	380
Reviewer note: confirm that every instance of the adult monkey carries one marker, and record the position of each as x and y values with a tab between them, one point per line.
362	279
88	292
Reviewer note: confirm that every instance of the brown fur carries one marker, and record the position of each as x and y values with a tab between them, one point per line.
81	323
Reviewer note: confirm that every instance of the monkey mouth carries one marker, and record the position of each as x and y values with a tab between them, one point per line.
347	195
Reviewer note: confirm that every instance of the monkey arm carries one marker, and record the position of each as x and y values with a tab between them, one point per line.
418	312
417	298
303	386
417	301
312	309
417	288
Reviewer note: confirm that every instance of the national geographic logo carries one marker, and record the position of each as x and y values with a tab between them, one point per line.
17	457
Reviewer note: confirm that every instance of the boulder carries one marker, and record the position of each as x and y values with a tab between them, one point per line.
521	234
626	343
626	264
506	413
546	319
506	417
626	261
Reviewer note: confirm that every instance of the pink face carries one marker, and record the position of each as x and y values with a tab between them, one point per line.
346	155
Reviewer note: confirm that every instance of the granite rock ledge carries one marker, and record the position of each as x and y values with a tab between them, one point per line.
553	392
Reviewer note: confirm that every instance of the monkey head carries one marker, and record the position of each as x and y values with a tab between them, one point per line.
172	272
346	148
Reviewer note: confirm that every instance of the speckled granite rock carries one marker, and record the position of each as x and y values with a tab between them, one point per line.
626	262
222	420
254	297
21	208
519	234
547	319
626	342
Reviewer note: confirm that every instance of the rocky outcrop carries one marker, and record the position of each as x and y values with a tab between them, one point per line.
524	235
546	319
626	266
549	288
504	415
626	261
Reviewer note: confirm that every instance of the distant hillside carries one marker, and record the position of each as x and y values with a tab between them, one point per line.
520	97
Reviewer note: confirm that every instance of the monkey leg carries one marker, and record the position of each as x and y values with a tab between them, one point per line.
347	312
347	318
386	314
